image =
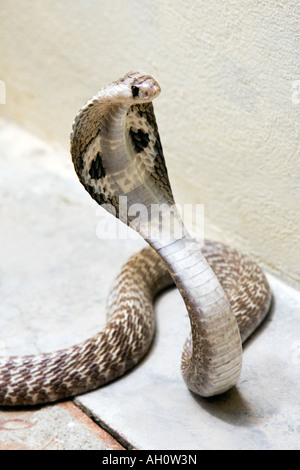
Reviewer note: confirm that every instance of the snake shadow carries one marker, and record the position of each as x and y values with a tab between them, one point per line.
231	406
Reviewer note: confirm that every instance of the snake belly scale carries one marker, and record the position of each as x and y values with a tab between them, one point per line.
118	157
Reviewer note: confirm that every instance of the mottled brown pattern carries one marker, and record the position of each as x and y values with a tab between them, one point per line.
110	353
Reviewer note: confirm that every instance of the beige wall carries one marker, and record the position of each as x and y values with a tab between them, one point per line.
229	112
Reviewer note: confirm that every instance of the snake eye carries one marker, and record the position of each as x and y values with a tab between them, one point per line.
135	91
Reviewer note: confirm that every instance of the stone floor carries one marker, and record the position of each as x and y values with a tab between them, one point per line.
59	257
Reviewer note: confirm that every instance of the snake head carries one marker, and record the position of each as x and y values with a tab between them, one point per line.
134	88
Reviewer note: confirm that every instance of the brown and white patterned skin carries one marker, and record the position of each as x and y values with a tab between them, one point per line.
117	153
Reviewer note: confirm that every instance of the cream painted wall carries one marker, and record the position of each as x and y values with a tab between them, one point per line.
229	112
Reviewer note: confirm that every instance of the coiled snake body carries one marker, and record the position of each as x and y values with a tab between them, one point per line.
118	158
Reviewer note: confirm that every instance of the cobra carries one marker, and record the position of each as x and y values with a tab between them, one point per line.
117	155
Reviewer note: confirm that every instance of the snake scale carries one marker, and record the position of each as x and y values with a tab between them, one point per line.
118	157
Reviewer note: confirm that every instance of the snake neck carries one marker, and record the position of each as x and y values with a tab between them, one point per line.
115	148
212	363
